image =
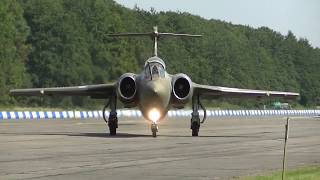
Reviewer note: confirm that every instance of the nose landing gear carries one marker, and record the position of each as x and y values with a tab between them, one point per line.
154	129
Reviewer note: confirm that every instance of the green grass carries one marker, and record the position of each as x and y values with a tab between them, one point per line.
308	173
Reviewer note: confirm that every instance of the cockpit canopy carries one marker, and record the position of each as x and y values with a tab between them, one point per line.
154	68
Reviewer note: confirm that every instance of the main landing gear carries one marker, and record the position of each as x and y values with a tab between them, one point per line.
154	129
113	119
195	118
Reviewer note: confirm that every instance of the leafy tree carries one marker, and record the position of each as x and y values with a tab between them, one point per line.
70	46
13	48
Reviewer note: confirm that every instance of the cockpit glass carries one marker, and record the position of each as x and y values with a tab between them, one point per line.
155	70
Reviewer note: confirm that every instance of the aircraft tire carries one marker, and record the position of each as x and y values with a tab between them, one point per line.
112	128
154	130
195	132
113	131
195	129
154	133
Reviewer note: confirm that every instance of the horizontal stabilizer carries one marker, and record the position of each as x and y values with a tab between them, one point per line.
152	34
155	36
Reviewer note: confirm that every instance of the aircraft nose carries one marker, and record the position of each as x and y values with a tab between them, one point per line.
154	88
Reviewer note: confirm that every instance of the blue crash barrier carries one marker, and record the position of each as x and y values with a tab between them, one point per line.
23	115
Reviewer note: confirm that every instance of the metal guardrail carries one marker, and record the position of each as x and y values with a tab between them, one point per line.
7	115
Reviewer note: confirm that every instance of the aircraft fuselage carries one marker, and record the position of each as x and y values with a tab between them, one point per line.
154	95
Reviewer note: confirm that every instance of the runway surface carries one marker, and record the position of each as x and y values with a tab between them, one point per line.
225	149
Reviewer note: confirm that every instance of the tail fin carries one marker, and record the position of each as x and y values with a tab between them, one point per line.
155	36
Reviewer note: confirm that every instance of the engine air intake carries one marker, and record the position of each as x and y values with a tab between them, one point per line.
182	87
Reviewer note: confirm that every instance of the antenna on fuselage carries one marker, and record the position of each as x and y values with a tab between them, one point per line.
155	35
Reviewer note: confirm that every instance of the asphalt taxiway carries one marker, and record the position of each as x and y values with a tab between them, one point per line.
226	148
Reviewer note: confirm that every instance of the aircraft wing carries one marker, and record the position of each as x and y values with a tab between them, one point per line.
94	91
218	91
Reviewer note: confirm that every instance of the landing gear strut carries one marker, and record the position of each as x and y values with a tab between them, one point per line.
113	119
195	118
154	129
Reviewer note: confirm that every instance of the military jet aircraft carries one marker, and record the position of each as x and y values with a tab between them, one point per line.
154	91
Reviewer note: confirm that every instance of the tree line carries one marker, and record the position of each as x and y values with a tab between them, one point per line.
45	43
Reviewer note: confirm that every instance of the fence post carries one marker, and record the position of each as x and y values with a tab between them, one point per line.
285	148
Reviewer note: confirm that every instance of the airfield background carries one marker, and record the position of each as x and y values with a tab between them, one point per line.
62	43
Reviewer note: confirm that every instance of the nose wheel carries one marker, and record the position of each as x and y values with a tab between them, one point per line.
154	129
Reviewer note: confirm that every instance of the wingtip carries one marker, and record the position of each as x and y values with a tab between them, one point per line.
11	92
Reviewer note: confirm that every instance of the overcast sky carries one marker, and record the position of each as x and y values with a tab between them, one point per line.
302	17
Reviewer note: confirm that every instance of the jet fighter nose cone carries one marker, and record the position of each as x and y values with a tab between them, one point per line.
150	87
154	89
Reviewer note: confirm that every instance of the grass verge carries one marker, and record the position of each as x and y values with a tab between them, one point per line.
308	173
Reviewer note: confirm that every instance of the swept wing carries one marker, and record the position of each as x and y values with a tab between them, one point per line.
219	91
94	91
